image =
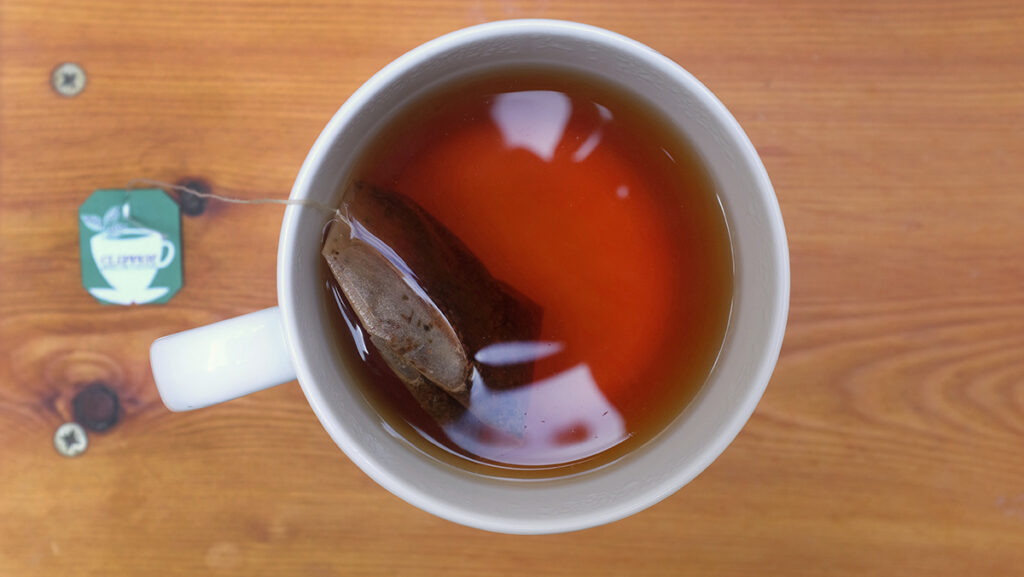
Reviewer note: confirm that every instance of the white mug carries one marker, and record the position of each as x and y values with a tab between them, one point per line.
242	355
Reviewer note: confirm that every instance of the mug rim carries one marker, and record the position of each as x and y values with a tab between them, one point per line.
737	417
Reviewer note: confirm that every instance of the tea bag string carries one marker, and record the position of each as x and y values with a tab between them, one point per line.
181	189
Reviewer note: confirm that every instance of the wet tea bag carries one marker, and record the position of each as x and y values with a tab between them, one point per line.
413	336
428	304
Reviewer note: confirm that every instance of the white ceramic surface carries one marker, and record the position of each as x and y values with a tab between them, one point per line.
631	484
214	363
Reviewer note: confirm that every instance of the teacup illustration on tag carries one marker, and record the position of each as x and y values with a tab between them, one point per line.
128	256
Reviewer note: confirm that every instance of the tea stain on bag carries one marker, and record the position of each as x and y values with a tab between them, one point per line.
429	306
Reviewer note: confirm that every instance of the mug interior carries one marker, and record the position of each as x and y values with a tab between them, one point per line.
691	441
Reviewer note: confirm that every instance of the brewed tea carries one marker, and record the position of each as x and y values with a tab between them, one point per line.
573	195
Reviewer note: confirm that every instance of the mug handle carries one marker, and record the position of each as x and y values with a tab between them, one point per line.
170	254
221	361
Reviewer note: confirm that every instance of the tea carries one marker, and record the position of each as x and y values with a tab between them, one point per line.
570	192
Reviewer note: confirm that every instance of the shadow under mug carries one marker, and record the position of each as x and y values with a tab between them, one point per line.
269	347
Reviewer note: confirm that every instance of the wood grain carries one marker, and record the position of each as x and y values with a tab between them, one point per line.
888	443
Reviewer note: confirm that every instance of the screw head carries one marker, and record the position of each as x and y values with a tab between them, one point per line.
68	79
70	440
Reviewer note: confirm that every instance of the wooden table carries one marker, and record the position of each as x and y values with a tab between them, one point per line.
890	442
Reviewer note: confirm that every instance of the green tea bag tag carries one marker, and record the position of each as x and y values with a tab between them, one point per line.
130	244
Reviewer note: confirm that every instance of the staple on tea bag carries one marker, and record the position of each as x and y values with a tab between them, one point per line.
426	301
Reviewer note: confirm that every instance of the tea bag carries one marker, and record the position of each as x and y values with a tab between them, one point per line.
427	303
403	323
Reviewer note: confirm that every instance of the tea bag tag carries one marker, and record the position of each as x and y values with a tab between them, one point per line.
130	246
